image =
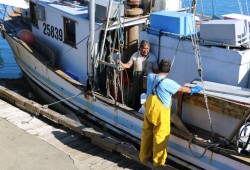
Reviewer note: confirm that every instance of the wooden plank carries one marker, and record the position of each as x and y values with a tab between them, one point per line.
88	153
73	136
55	140
65	76
137	166
108	162
54	135
65	148
80	149
229	108
121	164
77	147
97	158
77	143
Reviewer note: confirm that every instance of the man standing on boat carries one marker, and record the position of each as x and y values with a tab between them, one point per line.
156	124
144	62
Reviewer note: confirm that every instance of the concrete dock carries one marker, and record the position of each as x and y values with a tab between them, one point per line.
30	143
20	150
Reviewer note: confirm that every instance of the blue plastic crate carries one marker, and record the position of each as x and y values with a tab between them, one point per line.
175	22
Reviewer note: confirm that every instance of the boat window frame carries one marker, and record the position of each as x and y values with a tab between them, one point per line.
66	38
33	19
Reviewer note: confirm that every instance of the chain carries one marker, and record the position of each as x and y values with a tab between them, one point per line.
196	48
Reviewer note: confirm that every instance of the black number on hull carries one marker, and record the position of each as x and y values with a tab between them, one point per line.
52	31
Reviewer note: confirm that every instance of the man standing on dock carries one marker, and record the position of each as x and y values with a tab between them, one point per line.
156	124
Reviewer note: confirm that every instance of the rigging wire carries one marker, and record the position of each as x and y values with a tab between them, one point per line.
247	8
190	5
105	31
213	7
175	52
202	9
80	41
121	45
4	14
240	6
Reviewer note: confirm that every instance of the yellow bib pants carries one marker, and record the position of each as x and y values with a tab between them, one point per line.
155	131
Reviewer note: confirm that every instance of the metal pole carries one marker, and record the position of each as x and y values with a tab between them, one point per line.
91	41
194	7
106	29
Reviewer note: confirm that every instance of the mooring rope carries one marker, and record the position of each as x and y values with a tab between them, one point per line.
46	106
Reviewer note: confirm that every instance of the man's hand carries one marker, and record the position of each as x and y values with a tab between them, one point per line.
195	89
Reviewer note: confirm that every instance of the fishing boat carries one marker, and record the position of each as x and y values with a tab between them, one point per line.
68	52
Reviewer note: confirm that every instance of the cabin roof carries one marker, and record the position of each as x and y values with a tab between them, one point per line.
76	12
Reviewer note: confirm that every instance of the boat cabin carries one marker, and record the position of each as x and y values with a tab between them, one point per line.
61	28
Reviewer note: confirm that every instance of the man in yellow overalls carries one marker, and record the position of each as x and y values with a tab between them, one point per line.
156	125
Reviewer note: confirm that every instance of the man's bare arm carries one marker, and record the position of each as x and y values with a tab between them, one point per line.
185	89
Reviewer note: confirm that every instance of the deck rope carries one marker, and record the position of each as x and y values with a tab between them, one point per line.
59	101
46	106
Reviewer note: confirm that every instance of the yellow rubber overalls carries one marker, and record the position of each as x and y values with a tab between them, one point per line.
155	131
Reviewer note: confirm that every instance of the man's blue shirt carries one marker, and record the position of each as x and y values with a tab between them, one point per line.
165	89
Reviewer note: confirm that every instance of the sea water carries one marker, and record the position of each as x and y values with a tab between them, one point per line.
220	7
8	66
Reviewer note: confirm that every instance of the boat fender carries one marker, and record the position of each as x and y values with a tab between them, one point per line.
26	36
244	139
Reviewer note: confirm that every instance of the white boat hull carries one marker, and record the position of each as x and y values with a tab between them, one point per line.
115	117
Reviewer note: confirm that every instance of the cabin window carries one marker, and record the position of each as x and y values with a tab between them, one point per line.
69	32
33	14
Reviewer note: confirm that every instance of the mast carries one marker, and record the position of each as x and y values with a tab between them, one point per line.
194	6
91	42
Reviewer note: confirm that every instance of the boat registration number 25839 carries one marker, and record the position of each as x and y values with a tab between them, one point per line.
52	31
